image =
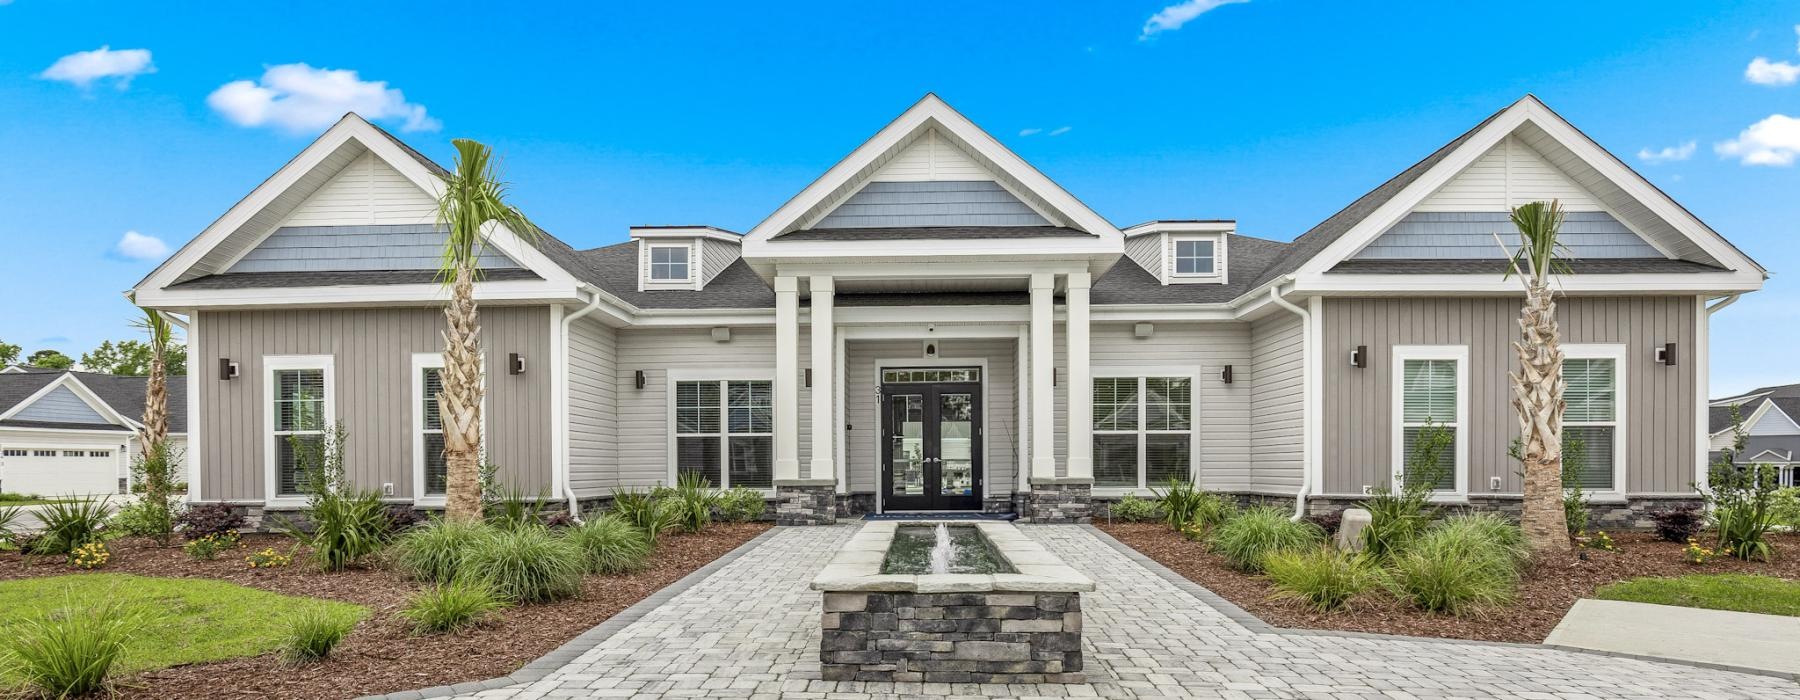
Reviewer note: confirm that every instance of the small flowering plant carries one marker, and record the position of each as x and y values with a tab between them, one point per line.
1602	542
209	547
1696	554
92	555
268	558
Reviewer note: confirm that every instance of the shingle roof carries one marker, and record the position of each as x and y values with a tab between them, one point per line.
1611	266
932	232
614	269
1786	397
1128	283
262	280
124	394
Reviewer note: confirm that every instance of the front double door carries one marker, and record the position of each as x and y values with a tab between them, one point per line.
931	437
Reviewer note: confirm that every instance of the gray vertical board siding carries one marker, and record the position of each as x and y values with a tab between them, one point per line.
1147	252
373	388
1221	411
593	407
1588	235
1277	402
347	248
931	203
863	441
61	405
1659	449
716	256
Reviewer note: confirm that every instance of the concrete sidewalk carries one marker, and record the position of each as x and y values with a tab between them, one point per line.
1722	637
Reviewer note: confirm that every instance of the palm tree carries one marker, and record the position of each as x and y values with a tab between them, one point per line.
474	198
154	462
1538	385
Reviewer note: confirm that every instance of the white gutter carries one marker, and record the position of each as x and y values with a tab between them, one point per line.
559	464
1310	407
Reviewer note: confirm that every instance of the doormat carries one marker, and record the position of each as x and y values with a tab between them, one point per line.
941	516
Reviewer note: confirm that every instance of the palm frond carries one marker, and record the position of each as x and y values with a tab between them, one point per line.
1540	254
475	197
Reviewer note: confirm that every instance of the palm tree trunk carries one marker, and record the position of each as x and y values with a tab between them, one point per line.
460	403
1538	396
156	404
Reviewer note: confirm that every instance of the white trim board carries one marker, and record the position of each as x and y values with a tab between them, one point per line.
1397	429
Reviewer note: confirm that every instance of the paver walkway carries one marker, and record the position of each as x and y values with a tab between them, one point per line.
752	630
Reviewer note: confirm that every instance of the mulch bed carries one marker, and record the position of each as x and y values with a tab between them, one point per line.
383	655
1549	587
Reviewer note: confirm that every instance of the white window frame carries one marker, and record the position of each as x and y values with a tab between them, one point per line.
326	364
1397	387
1142	374
1617	353
673	378
687	254
421	362
1218	268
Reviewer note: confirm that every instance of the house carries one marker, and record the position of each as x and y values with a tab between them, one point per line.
1773	436
67	432
933	324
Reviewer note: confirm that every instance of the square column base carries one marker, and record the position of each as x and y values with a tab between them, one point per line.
1061	501
806	503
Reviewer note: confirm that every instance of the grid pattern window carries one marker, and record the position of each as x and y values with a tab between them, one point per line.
14	453
1591	421
73	453
43	453
1196	257
725	432
431	430
669	263
930	375
1429	401
99	453
299	406
1143	431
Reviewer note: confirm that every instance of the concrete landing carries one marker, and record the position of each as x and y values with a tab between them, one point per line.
1721	637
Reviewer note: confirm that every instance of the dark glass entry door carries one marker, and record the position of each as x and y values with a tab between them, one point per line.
931	438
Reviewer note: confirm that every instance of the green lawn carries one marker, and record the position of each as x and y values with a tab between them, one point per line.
1740	592
185	620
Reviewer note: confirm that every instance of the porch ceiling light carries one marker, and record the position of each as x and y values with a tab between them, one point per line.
721	334
1143	330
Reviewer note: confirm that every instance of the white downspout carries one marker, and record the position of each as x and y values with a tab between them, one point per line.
559	465
1309	409
1702	376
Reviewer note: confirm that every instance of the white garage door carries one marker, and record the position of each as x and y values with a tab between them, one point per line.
58	471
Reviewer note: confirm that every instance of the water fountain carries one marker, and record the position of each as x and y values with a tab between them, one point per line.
940	554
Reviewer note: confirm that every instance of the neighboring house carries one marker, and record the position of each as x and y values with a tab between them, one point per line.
65	432
934	324
1773	434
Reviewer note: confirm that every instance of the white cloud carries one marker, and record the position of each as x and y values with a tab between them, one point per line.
1030	132
84	67
1772	141
1172	17
1667	153
1763	71
137	246
298	98
1058	131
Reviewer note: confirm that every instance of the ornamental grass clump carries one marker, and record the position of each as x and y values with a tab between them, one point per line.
611	544
343	524
1397	517
435	551
1245	540
69	524
451	607
1494	530
70	651
1323	577
1455	570
526	565
1186	507
312	633
694	499
650	511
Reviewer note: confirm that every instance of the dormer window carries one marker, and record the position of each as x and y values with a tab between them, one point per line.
669	263
1196	257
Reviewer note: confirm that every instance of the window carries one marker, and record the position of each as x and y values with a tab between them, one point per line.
73	453
99	453
1143	430
1591	417
1431	395
299	392
431	431
724	432
13	453
668	263
43	453
1196	256
928	375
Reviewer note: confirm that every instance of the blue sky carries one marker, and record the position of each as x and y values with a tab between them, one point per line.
1276	113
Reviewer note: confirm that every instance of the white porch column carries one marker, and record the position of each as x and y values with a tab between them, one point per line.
824	364
786	388
1043	376
1081	387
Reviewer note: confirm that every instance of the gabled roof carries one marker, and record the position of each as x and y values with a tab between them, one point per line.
1752	406
121	398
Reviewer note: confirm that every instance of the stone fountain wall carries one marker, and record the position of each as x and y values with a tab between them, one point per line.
980	637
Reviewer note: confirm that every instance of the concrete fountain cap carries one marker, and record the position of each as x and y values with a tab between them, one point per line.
857	565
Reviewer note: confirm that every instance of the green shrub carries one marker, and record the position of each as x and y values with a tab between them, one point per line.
1742	499
451	607
509	507
1186	507
312	633
210	547
69	524
741	505
1254	534
153	515
694	498
143	518
1132	509
435	552
1785	504
526	565
8	516
1500	535
1323	577
611	544
651	511
343	524
70	651
1455	569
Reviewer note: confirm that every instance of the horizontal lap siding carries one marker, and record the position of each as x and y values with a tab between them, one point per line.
1659	449
372	351
863	440
593	407
1222	411
1277	402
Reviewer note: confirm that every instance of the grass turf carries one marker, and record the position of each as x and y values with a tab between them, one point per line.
183	620
1739	592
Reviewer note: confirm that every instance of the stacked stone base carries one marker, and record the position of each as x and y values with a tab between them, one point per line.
806	504
987	637
1058	502
1633	513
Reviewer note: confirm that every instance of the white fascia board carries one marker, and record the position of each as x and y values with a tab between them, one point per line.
1150	227
1739	399
352	295
1490	285
1161	312
709	232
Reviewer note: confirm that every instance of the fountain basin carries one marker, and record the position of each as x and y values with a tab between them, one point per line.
1019	624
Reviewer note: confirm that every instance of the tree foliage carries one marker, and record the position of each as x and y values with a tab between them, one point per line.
9	353
50	359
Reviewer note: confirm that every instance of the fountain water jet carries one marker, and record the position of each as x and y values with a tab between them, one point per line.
942	554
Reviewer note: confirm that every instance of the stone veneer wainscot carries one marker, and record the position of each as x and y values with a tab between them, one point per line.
1022	627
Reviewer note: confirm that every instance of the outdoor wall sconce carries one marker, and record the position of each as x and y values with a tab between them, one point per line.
1225	376
721	334
640	379
1359	358
228	370
515	363
1666	354
809	377
1143	330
